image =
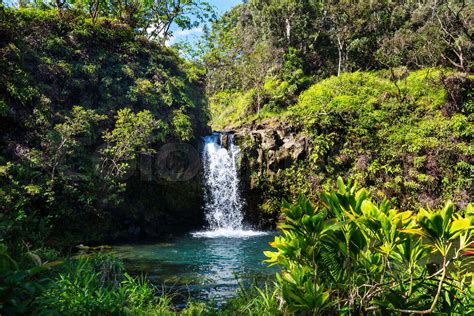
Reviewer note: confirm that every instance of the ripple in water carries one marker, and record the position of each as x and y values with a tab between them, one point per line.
201	267
214	263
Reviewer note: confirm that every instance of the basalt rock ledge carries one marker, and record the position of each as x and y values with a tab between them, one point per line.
267	149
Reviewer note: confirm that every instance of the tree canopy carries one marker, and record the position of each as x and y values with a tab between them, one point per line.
153	18
260	39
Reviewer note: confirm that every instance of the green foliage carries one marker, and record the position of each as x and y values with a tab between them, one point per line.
20	285
230	107
182	125
106	66
195	309
401	133
96	286
349	253
132	134
19	221
285	44
151	18
59	94
3	108
63	141
397	138
256	301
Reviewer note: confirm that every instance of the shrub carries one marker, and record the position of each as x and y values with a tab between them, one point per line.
99	286
133	133
352	255
394	136
230	108
182	124
21	282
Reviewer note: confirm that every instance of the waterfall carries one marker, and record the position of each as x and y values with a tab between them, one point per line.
222	201
223	204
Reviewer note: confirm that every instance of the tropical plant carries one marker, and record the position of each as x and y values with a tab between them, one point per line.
99	285
63	141
133	133
20	285
351	254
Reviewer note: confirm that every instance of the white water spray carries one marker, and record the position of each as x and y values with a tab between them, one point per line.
223	203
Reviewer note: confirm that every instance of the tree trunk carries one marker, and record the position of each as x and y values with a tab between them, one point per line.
288	29
339	50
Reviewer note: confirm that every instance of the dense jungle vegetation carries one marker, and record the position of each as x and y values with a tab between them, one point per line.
381	92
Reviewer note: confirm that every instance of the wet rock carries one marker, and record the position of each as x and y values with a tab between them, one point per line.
299	149
256	137
269	149
281	133
225	140
272	162
276	147
271	140
284	156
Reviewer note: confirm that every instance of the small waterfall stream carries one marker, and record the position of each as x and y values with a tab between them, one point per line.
210	264
223	203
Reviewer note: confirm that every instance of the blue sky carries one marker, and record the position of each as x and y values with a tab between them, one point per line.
192	35
221	5
224	5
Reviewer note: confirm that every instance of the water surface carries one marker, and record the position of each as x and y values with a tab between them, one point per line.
212	264
201	266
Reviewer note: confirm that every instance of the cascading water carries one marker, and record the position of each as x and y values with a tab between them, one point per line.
214	263
223	203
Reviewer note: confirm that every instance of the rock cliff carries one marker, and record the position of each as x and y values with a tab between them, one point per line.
267	149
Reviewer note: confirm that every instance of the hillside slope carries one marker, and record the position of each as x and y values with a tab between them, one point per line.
81	104
410	139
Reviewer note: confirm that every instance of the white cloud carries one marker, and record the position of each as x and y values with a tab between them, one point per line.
184	35
151	29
